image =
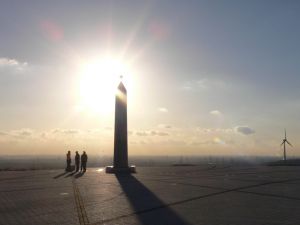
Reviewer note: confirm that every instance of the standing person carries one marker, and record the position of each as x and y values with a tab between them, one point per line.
84	159
68	161
77	161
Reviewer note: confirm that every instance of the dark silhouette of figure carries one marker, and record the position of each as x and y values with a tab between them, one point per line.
77	161
68	161
84	159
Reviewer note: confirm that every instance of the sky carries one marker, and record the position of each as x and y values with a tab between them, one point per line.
203	77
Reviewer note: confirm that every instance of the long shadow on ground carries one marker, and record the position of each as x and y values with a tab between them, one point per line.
80	174
148	207
60	175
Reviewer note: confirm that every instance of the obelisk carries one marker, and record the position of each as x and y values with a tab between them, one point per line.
120	136
120	141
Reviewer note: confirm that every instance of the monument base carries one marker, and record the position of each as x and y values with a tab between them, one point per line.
112	169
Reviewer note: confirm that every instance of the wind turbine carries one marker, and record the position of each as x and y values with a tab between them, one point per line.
283	143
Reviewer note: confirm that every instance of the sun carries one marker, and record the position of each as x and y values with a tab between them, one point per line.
98	82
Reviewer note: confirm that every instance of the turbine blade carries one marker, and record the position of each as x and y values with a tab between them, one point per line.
289	143
282	143
285	133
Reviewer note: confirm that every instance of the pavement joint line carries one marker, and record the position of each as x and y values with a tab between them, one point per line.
240	172
241	191
29	189
238	189
82	215
21	177
270	195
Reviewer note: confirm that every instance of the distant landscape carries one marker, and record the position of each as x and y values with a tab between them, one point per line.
57	162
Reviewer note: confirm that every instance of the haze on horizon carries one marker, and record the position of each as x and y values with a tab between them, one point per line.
203	77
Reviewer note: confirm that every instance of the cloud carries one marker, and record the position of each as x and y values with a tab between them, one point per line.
215	113
151	133
195	85
12	64
57	135
159	133
214	141
71	131
244	130
25	133
8	62
196	143
21	133
187	87
65	131
163	110
204	85
3	133
141	133
164	126
215	130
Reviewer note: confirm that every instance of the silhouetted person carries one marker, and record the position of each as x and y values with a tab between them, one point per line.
84	159
68	161
77	161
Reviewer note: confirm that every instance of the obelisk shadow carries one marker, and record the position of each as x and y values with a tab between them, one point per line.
149	209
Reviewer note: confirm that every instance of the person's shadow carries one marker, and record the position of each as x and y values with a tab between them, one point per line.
60	175
71	174
80	174
148	207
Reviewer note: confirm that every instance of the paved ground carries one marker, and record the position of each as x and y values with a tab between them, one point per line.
168	195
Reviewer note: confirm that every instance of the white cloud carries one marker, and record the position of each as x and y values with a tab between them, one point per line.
187	87
8	62
244	130
204	84
12	63
215	130
195	85
163	110
215	113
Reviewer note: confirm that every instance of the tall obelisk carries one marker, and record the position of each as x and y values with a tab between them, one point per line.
120	138
120	144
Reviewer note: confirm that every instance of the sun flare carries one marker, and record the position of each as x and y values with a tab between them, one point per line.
98	82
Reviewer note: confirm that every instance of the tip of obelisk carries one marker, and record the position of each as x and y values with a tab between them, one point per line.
121	85
112	169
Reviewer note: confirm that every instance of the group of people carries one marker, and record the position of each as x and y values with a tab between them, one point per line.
79	160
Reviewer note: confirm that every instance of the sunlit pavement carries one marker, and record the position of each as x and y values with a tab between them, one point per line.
165	195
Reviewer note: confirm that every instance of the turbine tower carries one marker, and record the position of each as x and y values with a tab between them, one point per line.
283	143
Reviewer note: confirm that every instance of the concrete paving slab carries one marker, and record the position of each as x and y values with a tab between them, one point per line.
165	195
